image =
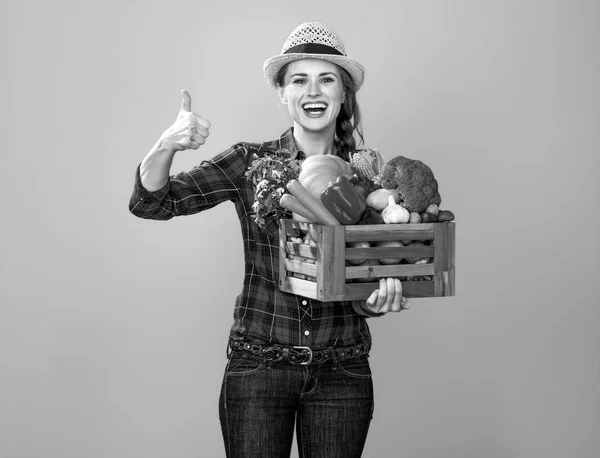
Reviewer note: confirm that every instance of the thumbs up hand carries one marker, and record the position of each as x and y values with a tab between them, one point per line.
189	130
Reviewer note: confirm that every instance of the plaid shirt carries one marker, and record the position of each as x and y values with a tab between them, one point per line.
263	314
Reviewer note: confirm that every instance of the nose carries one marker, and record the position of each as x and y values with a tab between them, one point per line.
314	88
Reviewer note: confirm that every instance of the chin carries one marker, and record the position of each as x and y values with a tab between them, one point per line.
319	126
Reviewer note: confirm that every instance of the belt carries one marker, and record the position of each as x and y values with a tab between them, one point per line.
298	354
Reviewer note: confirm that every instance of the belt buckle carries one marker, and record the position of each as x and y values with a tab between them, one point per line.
310	355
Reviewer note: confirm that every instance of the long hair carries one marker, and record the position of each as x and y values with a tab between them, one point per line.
348	120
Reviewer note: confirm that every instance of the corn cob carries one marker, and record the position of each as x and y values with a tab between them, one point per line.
378	180
362	166
378	160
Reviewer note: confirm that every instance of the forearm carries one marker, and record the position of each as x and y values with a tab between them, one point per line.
156	166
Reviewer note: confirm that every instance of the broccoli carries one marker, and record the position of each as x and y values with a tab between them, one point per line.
413	181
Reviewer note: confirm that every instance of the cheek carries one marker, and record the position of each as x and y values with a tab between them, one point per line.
292	93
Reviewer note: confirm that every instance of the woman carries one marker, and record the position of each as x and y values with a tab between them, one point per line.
292	361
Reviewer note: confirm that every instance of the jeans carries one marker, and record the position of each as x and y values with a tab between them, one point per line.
330	404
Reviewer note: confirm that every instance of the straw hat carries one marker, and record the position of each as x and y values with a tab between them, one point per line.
314	40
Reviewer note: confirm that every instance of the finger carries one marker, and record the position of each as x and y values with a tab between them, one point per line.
200	139
200	120
382	303
201	130
405	303
391	303
397	297
195	144
372	299
186	101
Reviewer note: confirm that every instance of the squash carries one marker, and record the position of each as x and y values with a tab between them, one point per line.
357	262
415	259
378	199
389	243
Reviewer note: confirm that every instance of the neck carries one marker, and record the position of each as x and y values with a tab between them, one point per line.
312	143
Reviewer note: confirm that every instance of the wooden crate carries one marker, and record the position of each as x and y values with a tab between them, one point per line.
325	273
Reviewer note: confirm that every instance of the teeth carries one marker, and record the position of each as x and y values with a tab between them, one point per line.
314	106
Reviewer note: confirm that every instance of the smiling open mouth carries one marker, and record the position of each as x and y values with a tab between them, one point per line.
315	109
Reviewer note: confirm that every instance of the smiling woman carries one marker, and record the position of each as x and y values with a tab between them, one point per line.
327	81
313	91
292	360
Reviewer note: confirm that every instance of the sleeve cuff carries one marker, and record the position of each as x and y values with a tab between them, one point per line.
144	194
359	309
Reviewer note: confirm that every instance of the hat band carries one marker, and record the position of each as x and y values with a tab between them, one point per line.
312	48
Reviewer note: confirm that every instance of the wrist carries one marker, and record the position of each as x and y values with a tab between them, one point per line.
361	308
163	148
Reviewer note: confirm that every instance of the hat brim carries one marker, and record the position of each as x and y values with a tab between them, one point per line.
272	66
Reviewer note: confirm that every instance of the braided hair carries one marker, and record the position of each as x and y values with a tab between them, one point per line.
348	120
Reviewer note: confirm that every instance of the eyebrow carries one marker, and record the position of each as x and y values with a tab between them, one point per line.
320	74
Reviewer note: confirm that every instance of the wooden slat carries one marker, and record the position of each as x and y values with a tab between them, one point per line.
417	289
450	290
440	260
331	262
301	267
301	250
295	228
396	270
301	287
378	232
283	279
362	291
425	251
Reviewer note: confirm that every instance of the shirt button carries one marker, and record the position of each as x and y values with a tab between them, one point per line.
306	333
304	302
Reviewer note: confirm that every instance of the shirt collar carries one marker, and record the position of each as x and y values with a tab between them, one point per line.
287	141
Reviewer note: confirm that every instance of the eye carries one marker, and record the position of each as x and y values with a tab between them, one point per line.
328	79
298	81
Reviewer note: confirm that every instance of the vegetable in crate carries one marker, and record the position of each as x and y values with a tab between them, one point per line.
319	170
371	216
368	170
389	243
378	199
321	215
342	200
394	213
269	174
413	181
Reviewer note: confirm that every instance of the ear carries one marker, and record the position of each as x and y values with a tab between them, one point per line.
281	94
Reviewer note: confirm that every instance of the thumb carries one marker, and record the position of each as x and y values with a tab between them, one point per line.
186	101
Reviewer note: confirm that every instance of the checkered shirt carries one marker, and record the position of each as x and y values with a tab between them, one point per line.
263	314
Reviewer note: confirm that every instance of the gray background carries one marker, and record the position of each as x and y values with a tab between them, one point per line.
113	329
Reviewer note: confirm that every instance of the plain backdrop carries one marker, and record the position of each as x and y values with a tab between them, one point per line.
113	329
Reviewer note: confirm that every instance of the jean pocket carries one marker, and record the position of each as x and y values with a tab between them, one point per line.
242	364
355	367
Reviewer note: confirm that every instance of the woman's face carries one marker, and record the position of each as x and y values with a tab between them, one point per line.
312	89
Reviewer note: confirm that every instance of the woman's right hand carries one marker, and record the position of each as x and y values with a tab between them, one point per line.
189	130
